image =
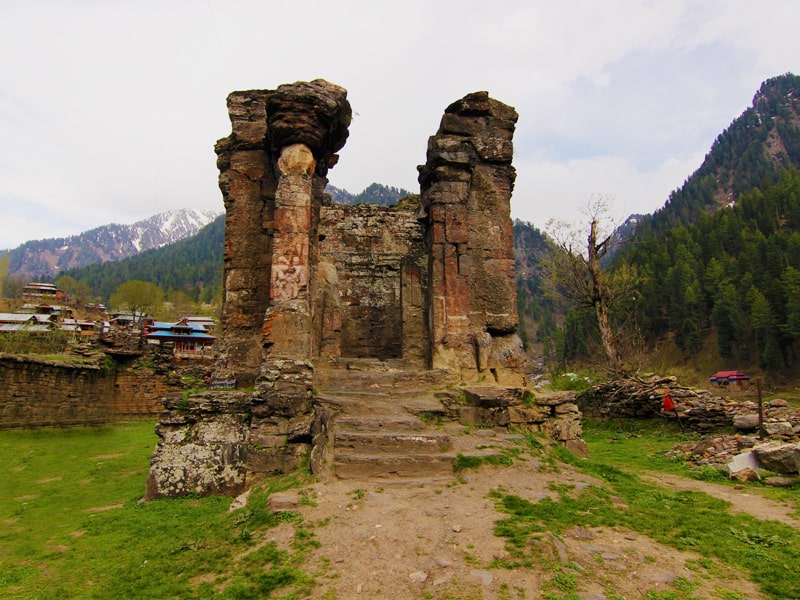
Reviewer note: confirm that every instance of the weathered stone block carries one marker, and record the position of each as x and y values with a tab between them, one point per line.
282	459
490	396
777	457
519	415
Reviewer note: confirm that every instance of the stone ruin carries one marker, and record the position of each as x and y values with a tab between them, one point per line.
426	288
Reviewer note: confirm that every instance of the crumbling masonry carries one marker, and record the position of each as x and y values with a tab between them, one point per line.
309	284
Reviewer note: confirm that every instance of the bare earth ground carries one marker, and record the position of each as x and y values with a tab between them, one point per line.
435	539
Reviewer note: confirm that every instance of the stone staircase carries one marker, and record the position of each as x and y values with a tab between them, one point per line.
386	421
376	425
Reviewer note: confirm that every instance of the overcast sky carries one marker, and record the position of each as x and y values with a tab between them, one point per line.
109	109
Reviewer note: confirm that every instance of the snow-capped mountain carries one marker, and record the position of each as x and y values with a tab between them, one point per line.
47	258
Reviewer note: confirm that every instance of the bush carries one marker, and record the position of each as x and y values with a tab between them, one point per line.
570	382
26	342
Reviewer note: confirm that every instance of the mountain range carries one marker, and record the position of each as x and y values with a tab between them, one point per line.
46	259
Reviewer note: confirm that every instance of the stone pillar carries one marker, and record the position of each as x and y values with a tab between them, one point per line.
306	125
466	188
248	184
287	327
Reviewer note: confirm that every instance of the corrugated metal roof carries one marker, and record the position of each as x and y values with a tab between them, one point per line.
169	335
11	327
16	318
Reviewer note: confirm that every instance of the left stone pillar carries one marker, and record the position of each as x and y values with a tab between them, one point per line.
273	170
306	125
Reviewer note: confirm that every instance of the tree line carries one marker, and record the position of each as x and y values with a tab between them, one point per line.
735	273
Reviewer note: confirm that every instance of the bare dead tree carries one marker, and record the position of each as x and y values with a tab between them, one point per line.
575	272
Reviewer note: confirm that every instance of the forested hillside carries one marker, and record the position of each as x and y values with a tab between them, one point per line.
193	265
374	193
736	272
539	314
753	150
719	261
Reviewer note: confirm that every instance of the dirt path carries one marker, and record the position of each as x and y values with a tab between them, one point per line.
435	539
743	500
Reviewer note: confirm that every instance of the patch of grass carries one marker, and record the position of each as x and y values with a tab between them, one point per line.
74	526
463	462
466	462
431	417
681	519
570	382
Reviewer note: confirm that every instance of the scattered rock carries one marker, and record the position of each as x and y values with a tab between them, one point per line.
581	533
443	562
283	501
779	481
485	577
240	501
745	475
418	576
560	547
746	460
746	422
779	428
777	457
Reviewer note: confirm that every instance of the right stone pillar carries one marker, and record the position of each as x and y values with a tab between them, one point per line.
466	187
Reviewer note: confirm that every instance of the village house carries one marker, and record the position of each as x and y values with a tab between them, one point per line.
191	340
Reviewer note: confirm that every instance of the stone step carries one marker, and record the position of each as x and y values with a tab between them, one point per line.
392	422
394	466
399	443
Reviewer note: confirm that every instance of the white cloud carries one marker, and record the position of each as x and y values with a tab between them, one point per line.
109	110
559	190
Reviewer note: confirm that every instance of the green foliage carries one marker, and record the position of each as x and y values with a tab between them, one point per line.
704	268
466	462
570	382
193	265
26	342
137	296
539	312
736	273
463	462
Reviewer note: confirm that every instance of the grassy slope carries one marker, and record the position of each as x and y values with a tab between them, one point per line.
73	526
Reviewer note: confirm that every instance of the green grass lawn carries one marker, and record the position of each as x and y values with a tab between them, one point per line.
72	526
621	450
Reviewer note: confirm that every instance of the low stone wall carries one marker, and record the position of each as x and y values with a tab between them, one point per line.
556	414
46	393
39	393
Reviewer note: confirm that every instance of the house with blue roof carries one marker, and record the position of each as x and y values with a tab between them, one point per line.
191	340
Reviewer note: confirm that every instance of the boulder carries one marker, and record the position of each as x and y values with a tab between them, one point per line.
746	475
740	462
779	428
746	422
778	457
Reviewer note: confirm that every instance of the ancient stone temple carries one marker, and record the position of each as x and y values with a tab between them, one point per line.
425	288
